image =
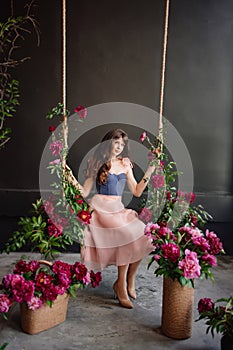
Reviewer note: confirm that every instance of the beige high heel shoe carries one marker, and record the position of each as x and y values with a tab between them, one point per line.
124	302
132	293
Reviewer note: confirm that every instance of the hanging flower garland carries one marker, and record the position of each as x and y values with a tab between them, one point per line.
58	221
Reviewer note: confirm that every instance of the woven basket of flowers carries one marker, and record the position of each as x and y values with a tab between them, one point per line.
49	314
42	289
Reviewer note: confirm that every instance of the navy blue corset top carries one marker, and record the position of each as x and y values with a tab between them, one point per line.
114	186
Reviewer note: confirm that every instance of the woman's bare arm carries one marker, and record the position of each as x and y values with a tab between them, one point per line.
138	188
86	188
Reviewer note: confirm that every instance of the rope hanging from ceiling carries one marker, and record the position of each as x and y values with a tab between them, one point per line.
65	124
162	85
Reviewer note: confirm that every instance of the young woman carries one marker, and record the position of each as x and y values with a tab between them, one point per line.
115	235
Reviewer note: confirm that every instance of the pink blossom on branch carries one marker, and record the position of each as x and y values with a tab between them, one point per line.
145	215
81	111
143	136
157	181
56	147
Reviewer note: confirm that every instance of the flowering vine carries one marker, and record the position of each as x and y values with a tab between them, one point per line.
59	219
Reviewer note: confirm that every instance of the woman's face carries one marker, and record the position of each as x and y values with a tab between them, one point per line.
117	147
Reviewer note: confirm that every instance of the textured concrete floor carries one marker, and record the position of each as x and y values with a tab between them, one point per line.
96	321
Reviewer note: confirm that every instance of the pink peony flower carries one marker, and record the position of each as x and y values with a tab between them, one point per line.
5	303
56	147
214	242
150	228
205	305
190	265
156	257
170	251
34	304
157	181
164	231
143	136
82	112
145	215
190	231
210	259
201	242
87	279
48	207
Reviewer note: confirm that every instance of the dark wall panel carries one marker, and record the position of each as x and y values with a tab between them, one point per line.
114	51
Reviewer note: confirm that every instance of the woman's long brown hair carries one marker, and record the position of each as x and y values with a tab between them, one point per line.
99	165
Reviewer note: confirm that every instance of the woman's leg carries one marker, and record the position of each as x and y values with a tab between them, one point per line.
119	287
131	274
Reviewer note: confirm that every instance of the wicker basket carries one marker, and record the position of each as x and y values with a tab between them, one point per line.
36	321
177	310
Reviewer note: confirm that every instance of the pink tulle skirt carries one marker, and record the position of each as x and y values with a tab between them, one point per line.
115	235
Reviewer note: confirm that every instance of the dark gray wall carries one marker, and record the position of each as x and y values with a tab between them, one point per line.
114	53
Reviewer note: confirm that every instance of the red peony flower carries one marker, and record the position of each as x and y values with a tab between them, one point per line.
23	267
80	271
79	200
52	128
96	278
214	242
205	305
171	251
53	231
85	216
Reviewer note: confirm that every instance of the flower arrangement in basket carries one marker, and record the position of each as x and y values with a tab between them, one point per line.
183	251
218	315
35	283
58	220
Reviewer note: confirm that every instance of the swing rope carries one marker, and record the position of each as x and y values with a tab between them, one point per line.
64	124
162	85
160	126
